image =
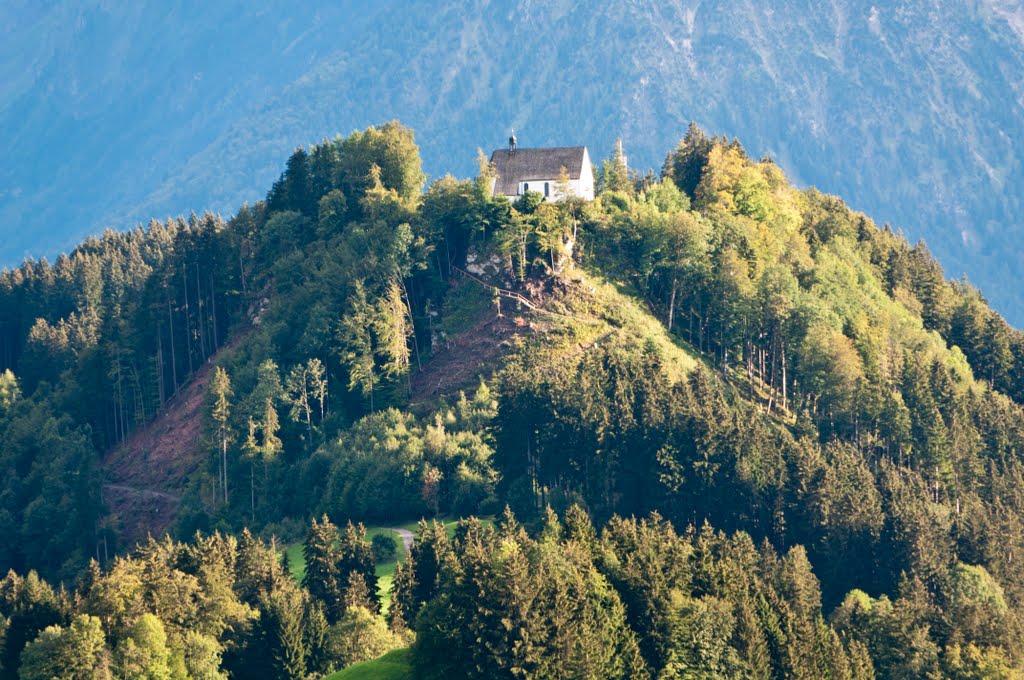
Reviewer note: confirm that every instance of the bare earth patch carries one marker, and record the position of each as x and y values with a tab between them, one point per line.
145	476
463	360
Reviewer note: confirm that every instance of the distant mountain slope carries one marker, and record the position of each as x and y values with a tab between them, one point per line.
100	104
913	111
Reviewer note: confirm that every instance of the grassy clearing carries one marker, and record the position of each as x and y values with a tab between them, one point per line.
394	665
385	570
620	307
593	309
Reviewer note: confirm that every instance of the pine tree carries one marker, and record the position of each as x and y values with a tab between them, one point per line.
293	190
297	393
393	328
403	610
282	621
251	452
317	376
322	578
317	631
753	647
579	528
615	173
996	358
686	164
355	554
356	593
220	394
9	391
427	558
357	342
270	425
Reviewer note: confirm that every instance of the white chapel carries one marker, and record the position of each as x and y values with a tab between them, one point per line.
522	170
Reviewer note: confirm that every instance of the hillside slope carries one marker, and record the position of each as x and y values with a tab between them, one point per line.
145	476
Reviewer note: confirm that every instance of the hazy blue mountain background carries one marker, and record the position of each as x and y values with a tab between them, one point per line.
912	111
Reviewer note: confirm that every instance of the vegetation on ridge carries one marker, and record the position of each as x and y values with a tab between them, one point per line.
736	431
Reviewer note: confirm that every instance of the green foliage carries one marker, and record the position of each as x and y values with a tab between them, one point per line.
389	466
355	334
144	653
9	391
528	203
385	547
322	577
392	148
615	174
686	165
77	653
220	412
49	506
464	306
513	607
977	603
282	624
28	605
359	636
202	657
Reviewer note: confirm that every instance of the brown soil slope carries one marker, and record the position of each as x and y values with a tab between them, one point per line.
145	476
459	364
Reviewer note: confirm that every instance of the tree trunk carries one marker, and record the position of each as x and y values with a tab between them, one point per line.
782	357
161	396
322	398
241	269
188	324
750	367
213	313
672	304
308	410
224	464
174	361
120	395
202	320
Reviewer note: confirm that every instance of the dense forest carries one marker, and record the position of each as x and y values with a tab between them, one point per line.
726	428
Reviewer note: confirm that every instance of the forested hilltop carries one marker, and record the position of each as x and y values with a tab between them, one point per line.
726	428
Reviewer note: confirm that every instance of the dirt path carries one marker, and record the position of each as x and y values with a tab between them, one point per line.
407	538
145	493
140	511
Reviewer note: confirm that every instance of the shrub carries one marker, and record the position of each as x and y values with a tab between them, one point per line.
385	547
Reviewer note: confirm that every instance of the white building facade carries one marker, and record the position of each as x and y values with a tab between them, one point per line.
522	170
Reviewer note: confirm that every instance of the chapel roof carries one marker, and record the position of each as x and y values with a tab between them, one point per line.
524	165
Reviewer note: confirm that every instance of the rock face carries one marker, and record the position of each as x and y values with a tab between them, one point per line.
912	111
